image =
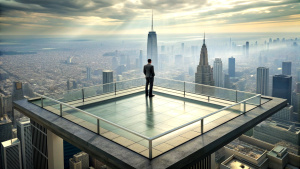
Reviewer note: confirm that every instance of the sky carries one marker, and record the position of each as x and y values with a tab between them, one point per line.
105	17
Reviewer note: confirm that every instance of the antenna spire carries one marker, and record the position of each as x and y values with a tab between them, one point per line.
152	21
204	39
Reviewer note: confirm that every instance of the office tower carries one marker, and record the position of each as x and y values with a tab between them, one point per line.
11	154
231	67
274	132
152	46
286	68
282	87
179	60
25	137
298	75
74	164
114	63
227	81
74	85
5	132
88	73
128	63
27	91
107	78
218	72
284	114
17	93
80	157
262	80
39	145
68	85
247	49
69	151
141	60
204	74
182	48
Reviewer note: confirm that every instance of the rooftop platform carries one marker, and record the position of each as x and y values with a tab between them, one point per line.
127	130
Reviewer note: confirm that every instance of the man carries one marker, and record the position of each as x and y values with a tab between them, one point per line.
149	73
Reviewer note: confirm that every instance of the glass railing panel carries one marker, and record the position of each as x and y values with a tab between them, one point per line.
169	84
93	91
80	118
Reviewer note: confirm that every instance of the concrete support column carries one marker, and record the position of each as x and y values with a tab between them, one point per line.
55	151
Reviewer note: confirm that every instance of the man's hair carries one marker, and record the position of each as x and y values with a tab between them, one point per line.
149	60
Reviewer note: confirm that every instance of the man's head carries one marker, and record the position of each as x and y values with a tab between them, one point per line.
149	61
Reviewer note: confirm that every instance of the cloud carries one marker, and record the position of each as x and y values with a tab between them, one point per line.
128	15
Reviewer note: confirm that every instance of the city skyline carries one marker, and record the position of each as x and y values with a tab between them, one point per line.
133	17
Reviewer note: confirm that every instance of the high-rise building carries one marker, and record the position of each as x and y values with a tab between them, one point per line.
231	67
69	151
5	132
115	63
218	72
88	73
74	84
25	137
68	85
286	68
75	164
107	78
39	145
284	114
247	49
204	74
17	93
152	46
80	158
262	80
227	81
282	87
11	154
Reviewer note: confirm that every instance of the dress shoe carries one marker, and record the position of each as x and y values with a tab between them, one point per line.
152	95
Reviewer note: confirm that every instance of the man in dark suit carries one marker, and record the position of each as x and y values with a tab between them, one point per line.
149	73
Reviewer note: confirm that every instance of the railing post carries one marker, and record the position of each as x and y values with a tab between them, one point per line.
98	126
236	96
115	88
42	102
82	94
208	98
60	110
244	106
202	120
150	149
184	89
259	100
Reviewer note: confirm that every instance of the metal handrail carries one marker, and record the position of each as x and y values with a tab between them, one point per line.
99	118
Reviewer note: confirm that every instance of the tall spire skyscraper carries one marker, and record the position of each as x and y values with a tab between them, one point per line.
152	46
204	74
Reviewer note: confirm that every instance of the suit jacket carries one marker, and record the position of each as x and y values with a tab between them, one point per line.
149	70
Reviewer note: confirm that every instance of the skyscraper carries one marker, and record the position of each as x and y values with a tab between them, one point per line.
282	87
262	80
204	74
231	67
286	68
5	133
227	81
218	72
11	154
88	73
247	49
24	135
152	46
107	78
17	93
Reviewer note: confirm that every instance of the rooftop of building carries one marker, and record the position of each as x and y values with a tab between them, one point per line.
123	123
11	142
246	149
4	120
235	163
278	152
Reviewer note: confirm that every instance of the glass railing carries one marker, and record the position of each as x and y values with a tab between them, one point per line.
149	146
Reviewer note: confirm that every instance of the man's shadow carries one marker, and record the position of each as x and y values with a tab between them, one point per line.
149	112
